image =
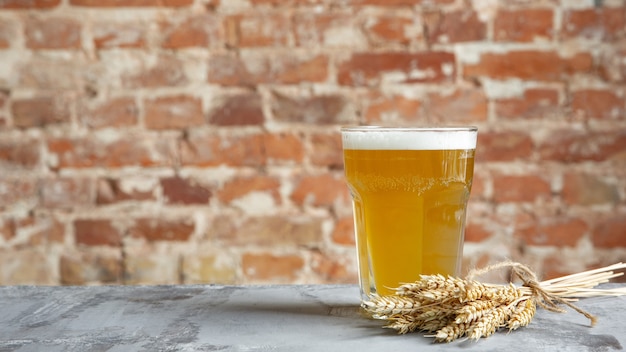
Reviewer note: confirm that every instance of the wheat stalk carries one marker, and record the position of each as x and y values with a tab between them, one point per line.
452	308
523	314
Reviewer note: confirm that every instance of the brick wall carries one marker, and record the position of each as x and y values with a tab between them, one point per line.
187	141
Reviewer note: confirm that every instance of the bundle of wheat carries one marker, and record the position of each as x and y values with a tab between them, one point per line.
449	308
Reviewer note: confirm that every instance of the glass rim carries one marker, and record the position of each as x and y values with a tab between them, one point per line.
368	128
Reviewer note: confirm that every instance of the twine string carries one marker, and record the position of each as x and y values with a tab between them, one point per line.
541	297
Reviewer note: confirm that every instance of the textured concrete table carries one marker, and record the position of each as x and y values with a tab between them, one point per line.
261	318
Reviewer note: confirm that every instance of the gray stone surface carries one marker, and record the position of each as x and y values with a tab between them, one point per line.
258	318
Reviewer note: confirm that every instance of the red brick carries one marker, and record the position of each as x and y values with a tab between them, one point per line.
611	66
233	150
39	230
320	190
110	190
19	152
250	150
274	230
321	29
242	186
258	29
165	71
8	31
31	4
16	190
454	27
553	267
52	33
523	25
576	146
520	188
343	232
64	77
197	31
327	150
587	189
238	110
160	229
173	112
113	151
534	104
394	2
529	65
252	68
39	111
382	108
610	232
392	28
283	147
267	266
598	104
604	23
404	67
86	268
116	112
461	106
475	232
559	232
223	227
108	35
131	3
526	218
285	2
177	190
315	110
333	269
7	227
66	192
97	232
503	146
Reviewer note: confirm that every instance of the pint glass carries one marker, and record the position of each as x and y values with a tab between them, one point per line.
410	188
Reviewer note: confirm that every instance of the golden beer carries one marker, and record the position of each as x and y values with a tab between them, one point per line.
410	189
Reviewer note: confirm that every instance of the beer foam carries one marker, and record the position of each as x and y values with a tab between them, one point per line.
381	138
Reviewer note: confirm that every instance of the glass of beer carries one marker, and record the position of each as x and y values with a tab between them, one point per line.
410	188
